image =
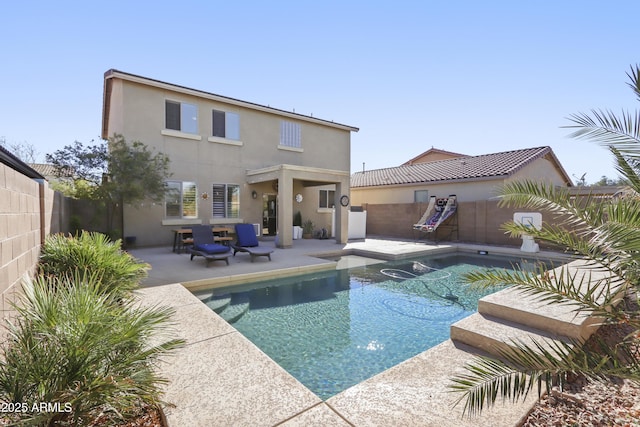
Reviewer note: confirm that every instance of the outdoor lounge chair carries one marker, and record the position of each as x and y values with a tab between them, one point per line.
248	242
205	246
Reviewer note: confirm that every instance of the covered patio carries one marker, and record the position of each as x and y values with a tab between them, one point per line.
283	176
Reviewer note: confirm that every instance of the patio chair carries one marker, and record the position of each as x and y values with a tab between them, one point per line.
205	246
248	242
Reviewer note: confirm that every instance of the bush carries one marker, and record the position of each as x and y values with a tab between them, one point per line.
297	219
74	345
94	254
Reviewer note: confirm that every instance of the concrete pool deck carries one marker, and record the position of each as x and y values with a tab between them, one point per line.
221	378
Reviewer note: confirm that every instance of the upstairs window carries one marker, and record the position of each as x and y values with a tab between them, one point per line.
290	134
181	116
180	200
226	125
226	200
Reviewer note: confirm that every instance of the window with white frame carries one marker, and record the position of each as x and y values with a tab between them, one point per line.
226	125
226	200
181	116
180	200
326	198
290	134
421	196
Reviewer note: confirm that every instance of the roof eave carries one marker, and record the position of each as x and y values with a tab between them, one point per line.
111	74
18	165
438	182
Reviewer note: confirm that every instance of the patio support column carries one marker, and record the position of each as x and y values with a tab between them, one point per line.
285	209
342	212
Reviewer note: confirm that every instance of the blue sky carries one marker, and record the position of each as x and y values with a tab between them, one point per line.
464	76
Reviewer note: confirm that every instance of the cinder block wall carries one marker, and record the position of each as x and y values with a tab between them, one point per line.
25	219
476	222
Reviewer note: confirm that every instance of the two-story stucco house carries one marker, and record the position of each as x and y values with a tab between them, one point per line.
232	161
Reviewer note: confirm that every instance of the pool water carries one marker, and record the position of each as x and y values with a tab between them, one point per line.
332	330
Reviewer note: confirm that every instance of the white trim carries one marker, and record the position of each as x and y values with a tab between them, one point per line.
182	221
325	210
226	141
297	168
287	148
178	134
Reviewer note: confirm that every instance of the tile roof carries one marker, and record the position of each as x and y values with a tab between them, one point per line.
468	168
430	151
44	169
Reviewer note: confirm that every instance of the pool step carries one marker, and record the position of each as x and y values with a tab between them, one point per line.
204	295
493	335
562	319
511	305
509	315
218	303
238	307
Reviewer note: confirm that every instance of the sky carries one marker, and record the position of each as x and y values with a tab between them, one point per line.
471	77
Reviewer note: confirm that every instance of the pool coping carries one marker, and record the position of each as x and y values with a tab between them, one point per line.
222	370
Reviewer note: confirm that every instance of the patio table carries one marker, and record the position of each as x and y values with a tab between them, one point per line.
220	234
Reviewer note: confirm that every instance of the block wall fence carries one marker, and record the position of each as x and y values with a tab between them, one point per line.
29	211
475	222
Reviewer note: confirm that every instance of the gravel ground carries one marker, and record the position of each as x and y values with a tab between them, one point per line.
593	404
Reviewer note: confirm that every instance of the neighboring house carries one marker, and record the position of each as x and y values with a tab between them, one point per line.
396	198
232	161
470	178
48	171
431	155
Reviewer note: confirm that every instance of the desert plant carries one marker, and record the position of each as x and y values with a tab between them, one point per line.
117	271
607	235
307	227
72	345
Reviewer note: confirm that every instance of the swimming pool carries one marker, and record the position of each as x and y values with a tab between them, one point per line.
334	329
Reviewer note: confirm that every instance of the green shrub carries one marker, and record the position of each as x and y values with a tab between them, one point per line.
73	345
297	219
95	254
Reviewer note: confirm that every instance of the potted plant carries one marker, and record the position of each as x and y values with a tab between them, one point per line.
307	229
297	219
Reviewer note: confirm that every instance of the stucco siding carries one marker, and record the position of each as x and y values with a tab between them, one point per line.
464	191
137	111
540	170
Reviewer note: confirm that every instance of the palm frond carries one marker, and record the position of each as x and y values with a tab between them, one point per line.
607	128
628	168
634	77
524	367
560	286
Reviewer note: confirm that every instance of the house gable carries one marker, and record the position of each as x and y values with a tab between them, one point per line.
431	155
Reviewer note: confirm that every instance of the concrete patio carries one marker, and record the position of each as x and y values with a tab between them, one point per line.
221	378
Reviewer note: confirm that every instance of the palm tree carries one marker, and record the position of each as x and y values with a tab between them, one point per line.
607	234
